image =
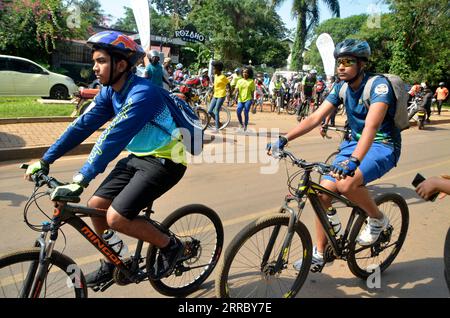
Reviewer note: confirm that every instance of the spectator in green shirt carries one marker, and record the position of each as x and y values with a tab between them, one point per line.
246	88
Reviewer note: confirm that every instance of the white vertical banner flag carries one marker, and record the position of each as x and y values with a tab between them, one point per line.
141	11
325	45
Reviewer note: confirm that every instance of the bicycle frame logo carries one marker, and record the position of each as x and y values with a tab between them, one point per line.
100	245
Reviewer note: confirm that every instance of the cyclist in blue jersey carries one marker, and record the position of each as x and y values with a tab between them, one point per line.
154	71
373	150
140	122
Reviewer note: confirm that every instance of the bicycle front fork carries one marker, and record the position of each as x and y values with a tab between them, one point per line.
282	258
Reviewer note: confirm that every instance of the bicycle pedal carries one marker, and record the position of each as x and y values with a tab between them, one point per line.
106	285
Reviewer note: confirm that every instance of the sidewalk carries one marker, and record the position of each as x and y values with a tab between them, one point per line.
30	138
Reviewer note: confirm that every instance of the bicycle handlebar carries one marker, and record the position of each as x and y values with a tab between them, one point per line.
41	178
320	167
345	130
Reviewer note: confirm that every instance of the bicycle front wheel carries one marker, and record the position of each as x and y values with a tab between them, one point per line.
364	260
291	108
201	231
447	259
18	270
203	116
248	271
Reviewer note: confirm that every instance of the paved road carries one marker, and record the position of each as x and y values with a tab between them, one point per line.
239	192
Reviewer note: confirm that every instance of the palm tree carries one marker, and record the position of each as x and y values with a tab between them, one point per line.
307	14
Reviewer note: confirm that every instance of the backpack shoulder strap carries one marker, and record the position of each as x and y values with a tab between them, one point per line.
342	92
368	88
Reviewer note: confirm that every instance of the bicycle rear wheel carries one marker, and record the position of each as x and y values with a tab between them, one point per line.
18	270
362	261
224	118
201	230
243	273
447	259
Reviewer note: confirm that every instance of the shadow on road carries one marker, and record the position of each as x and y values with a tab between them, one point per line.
418	278
10	140
15	199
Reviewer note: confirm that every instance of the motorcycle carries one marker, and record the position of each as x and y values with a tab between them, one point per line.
83	99
421	118
189	94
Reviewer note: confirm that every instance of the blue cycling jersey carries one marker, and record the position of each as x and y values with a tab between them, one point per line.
155	74
138	112
381	91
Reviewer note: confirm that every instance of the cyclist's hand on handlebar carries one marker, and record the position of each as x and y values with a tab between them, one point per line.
277	146
35	167
71	190
345	168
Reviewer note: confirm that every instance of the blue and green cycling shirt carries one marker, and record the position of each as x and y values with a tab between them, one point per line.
138	112
381	91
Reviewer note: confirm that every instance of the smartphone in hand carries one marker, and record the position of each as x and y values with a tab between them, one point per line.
419	179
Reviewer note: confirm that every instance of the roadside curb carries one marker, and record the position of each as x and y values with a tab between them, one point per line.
31	120
38	152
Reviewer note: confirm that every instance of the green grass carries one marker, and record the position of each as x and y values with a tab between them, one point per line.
12	107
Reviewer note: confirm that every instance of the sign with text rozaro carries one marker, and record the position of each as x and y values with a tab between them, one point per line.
189	34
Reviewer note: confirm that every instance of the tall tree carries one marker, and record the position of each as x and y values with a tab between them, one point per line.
30	28
241	30
420	49
169	7
160	24
307	14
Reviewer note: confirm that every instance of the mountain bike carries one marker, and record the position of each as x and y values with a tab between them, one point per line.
41	271
259	260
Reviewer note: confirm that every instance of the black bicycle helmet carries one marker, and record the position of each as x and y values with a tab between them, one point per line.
356	48
441	84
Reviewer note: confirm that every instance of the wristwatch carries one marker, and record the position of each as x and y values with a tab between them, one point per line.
79	179
355	160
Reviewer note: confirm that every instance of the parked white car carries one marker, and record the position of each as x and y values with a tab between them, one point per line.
22	77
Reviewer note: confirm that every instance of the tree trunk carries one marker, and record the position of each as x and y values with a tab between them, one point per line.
299	42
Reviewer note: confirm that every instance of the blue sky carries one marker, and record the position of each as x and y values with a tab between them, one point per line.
348	8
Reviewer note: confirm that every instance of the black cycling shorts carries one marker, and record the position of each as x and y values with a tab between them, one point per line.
135	182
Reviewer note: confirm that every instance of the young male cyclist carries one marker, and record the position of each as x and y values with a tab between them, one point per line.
373	150
140	121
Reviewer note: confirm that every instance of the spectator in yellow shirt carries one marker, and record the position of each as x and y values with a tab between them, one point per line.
220	92
442	95
246	88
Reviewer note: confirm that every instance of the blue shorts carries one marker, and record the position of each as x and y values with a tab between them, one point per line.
378	161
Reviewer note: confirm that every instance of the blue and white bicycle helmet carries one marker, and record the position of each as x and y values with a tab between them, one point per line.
357	48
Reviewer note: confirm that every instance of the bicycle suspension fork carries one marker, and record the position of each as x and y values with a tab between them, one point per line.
282	258
38	270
